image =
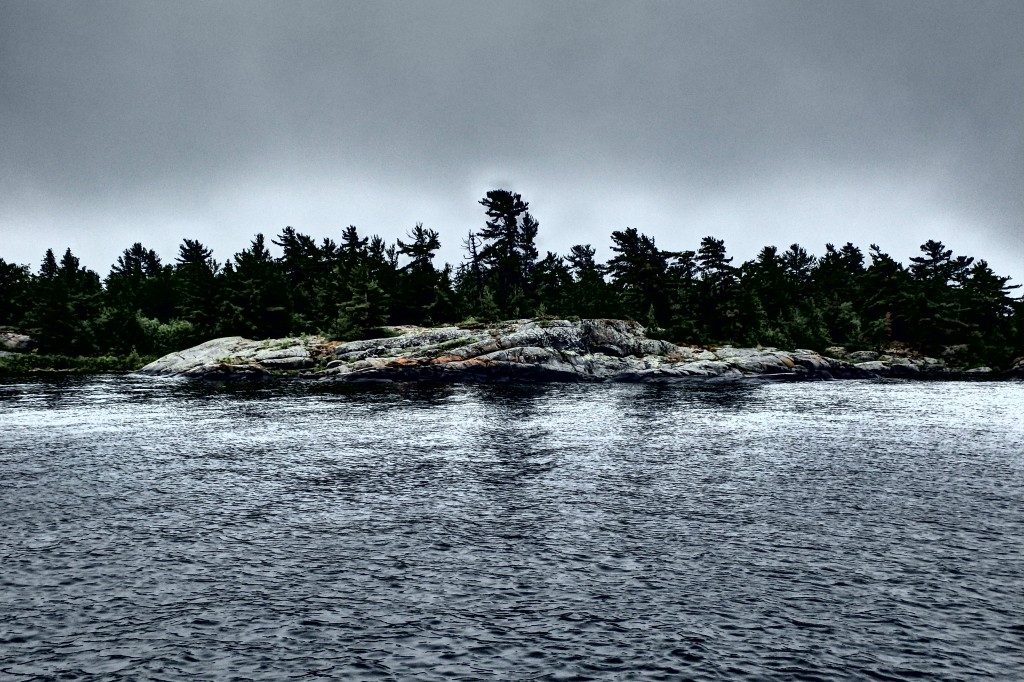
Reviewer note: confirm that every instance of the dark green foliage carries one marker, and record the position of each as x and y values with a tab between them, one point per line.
934	318
552	284
717	292
255	300
357	286
424	292
15	286
362	270
32	363
195	287
304	266
987	315
66	302
836	284
888	300
365	308
682	324
138	286
161	338
470	286
508	253
589	294
639	277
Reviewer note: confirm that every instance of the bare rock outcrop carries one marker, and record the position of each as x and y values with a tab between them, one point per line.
235	357
517	350
16	342
904	363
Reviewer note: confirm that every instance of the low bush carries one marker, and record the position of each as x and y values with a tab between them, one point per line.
31	363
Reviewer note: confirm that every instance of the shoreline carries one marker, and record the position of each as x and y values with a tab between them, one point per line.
531	351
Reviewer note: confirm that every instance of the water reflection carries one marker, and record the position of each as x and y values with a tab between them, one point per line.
176	530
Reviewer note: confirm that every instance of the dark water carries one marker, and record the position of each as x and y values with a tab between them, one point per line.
845	530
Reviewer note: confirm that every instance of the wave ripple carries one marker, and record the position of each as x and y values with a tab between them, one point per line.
847	530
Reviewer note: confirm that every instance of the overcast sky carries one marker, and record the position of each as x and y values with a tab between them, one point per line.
756	122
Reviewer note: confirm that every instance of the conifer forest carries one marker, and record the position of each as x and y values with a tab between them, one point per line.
349	288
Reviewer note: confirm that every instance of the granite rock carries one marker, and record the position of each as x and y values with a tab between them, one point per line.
515	350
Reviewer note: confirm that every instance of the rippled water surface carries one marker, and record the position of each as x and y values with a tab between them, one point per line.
842	530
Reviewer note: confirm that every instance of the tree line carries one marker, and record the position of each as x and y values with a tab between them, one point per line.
351	287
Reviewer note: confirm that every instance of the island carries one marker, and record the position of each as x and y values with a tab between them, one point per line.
364	309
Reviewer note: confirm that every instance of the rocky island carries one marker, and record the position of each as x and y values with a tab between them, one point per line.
522	350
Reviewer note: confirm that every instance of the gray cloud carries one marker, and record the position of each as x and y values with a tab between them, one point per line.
761	123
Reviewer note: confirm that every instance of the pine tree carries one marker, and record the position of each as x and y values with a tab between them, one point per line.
469	280
255	295
551	283
364	311
420	290
508	250
888	300
638	273
717	292
935	318
766	297
589	294
139	282
195	286
683	314
836	283
15	283
987	310
67	303
382	262
303	265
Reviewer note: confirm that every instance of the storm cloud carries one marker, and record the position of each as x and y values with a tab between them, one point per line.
760	123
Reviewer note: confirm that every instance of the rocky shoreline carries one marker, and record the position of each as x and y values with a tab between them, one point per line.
526	351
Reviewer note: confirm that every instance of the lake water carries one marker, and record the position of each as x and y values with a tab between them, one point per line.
153	529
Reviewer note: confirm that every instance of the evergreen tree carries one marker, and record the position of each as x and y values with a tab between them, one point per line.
987	311
421	295
351	254
717	292
352	250
935	319
365	309
805	322
508	250
353	291
138	287
589	294
304	266
837	285
798	265
938	267
638	272
15	283
67	299
469	282
141	282
682	279
196	286
255	295
331	287
48	269
763	301
382	262
551	283
887	300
